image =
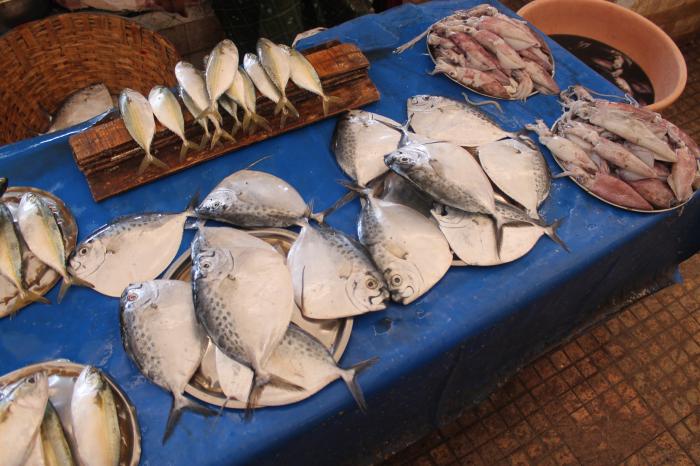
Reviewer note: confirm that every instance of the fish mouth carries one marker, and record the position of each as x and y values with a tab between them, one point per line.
406	296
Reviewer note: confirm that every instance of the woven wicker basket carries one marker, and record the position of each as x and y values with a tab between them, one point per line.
45	61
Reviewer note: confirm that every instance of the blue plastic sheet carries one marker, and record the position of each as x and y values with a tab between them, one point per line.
448	348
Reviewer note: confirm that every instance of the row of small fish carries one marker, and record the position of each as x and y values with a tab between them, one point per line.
491	53
223	83
625	154
46	421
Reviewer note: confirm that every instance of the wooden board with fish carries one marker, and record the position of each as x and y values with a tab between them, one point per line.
109	158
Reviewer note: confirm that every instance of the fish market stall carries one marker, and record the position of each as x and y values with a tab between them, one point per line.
447	348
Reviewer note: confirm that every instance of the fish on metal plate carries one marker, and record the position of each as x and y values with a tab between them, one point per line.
161	335
407	247
242	92
518	170
139	122
167	110
251	198
54	443
36	453
277	63
130	249
82	105
221	68
333	275
304	75
301	359
244	299
11	257
60	394
257	74
451	176
22	407
562	148
360	142
44	239
444	119
683	174
95	420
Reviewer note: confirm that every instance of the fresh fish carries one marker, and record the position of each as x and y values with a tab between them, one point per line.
562	148
43	237
139	122
242	91
655	191
95	420
450	175
193	82
333	275
683	174
301	359
277	63
444	119
407	247
22	407
36	453
11	257
257	74
304	75
228	238
518	170
360	142
520	216
398	190
53	440
195	111
244	299
221	68
130	249
167	110
250	198
231	108
161	335
60	394
81	106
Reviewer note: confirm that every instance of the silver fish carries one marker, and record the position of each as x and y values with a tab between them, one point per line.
444	119
242	91
60	394
277	64
95	420
399	190
195	111
304	75
167	110
161	335
11	257
257	74
333	275
301	359
251	198
81	106
36	453
244	299
22	407
53	440
407	247
231	108
43	237
138	119
360	142
124	251
518	170
221	68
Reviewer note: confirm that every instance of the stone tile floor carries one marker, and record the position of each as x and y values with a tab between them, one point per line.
627	391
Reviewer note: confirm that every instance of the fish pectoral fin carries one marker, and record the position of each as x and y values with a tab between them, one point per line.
437	166
345	270
396	250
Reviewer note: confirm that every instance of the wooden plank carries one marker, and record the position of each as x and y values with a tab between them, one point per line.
109	158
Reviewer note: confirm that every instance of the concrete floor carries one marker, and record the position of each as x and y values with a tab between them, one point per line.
625	392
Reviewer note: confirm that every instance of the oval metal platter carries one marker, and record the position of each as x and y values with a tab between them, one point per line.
130	453
654	211
38	277
334	334
545	47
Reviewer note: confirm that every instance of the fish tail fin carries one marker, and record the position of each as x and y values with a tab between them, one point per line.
31	296
246	119
192	205
186	145
354	187
551	231
350	378
289	106
344	199
256	389
319	217
205	138
219	132
181	403
498	224
329	100
257	120
149	160
279	106
69	281
523	136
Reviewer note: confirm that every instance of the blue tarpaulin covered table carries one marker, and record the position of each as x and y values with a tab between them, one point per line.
448	348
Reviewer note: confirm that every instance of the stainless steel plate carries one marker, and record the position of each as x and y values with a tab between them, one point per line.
335	334
37	275
128	423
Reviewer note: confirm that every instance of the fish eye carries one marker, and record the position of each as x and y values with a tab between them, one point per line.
131	297
217	204
206	265
396	280
31	379
371	283
83	251
404	159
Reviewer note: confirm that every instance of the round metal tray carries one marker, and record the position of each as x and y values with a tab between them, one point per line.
39	277
545	47
334	334
653	211
130	453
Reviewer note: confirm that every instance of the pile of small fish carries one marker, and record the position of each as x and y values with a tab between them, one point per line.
490	53
626	155
223	83
52	420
